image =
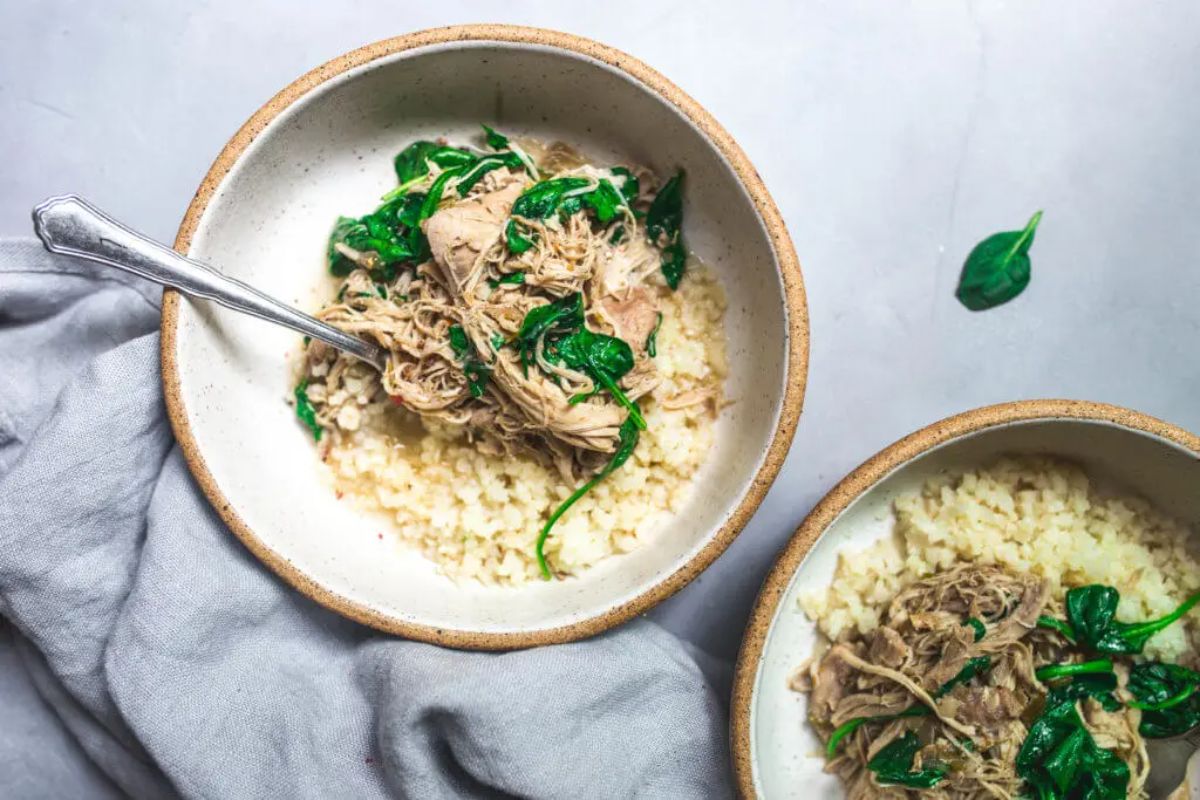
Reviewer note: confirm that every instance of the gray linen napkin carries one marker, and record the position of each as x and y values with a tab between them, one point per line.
181	666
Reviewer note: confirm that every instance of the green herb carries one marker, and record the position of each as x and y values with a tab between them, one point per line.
893	765
604	359
1099	685
307	340
973	623
617	235
629	186
390	232
976	666
998	269
627	441
1059	759
496	141
498	341
476	371
1064	628
652	339
565	313
564	196
509	279
1092	610
847	728
412	162
664	224
1169	697
471	175
305	411
1049	673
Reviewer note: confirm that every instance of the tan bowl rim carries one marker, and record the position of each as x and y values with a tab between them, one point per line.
785	255
858	482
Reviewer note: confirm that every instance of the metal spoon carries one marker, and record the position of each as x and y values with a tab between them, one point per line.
1175	767
71	226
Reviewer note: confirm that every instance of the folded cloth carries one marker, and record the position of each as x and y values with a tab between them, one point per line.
183	667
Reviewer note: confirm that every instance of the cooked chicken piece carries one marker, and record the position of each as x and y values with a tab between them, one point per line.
460	233
634	316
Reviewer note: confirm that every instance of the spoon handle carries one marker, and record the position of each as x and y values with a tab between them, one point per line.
71	226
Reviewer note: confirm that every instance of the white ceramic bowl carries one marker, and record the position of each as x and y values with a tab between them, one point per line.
323	147
773	745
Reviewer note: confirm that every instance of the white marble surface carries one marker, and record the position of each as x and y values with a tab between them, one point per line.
894	135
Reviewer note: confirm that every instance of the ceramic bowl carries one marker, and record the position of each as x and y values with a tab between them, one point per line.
323	147
773	746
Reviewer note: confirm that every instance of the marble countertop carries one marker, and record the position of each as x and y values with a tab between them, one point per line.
893	135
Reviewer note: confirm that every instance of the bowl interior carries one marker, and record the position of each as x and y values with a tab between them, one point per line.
784	752
329	153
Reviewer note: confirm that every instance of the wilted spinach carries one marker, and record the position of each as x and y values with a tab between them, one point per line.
564	196
1099	685
626	442
652	339
1091	611
508	279
477	371
1169	697
1060	759
893	765
973	667
664	223
849	727
998	269
305	411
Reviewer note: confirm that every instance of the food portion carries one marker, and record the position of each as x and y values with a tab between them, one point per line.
555	363
1023	635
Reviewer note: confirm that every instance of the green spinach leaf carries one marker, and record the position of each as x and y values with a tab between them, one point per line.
998	269
893	765
664	223
1059	759
626	442
412	162
975	666
652	339
1091	611
1169	697
305	411
478	373
977	626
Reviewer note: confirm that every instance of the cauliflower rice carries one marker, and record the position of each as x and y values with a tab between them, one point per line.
1035	515
478	516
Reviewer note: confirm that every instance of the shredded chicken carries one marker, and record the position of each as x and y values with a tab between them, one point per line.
972	728
468	283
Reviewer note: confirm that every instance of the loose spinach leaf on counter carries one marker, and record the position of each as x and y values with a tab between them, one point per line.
1060	759
998	269
305	411
664	223
476	371
1169	697
893	765
626	442
1091	611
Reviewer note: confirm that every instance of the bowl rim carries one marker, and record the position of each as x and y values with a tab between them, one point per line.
783	251
857	483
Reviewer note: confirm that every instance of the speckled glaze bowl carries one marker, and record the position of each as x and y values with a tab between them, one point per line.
773	746
323	147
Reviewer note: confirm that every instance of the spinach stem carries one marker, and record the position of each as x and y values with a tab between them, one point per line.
1153	626
1099	666
1064	628
558	512
1181	697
